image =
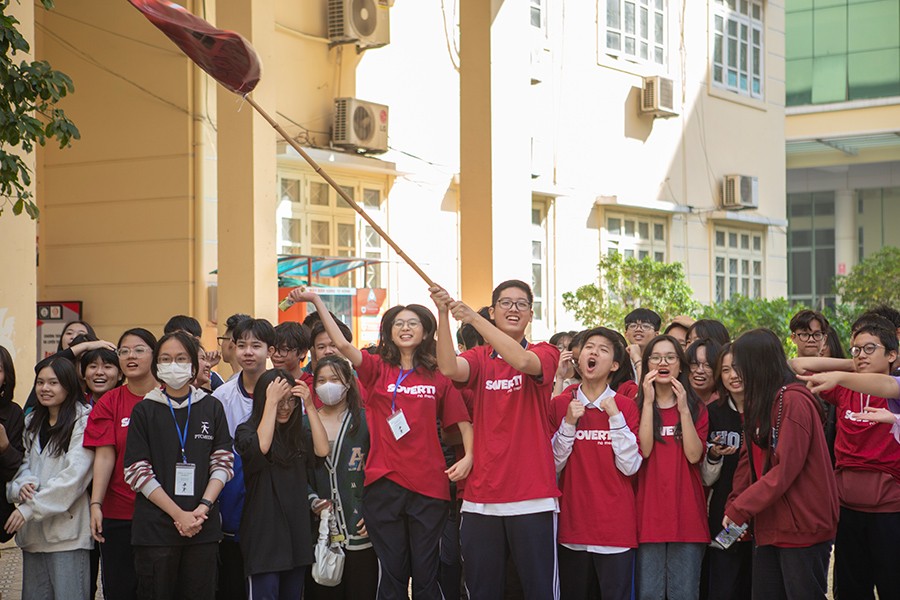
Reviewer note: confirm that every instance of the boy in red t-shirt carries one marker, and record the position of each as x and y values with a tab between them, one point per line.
510	501
867	462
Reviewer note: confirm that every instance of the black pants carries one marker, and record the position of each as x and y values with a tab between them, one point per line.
405	529
585	575
865	555
450	574
168	572
529	539
791	573
231	582
119	579
359	582
729	576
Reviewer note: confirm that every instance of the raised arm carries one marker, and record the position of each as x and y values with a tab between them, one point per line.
875	384
452	366
347	349
803	364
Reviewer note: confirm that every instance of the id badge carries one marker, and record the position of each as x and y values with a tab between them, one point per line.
184	479
397	422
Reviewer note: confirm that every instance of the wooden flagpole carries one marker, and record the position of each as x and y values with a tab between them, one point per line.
339	190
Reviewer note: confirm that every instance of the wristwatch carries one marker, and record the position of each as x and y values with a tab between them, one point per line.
206	503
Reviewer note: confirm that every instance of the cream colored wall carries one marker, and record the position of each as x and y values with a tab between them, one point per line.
118	224
847	121
17	246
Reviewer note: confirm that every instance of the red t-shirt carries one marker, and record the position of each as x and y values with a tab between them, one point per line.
671	505
108	426
513	458
415	461
861	444
628	388
597	507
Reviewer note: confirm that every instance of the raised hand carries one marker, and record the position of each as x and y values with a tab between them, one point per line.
574	412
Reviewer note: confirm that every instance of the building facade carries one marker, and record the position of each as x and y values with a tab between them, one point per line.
518	146
843	138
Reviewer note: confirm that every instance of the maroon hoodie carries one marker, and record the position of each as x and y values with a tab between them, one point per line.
795	503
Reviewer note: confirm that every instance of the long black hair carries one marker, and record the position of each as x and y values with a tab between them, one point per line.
425	352
90	332
61	432
288	441
683	378
9	377
341	368
625	371
759	358
723	392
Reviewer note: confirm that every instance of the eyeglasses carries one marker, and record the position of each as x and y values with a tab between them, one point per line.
178	360
508	303
283	350
223	338
288	403
699	366
659	359
868	349
411	323
137	351
804	336
640	325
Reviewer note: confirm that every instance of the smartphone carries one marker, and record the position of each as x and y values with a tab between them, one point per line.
730	535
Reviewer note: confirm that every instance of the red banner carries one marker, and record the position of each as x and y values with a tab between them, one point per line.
225	55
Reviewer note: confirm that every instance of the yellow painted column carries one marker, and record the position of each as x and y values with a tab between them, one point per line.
247	176
495	141
18	293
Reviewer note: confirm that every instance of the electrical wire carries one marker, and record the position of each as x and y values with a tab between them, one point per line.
57	13
90	59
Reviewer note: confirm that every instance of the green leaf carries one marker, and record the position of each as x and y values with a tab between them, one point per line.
17	207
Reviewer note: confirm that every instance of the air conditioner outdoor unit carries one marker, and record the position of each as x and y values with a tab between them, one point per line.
740	192
364	22
360	126
658	97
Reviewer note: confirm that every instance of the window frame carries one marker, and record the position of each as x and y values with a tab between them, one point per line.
634	243
618	57
747	282
720	9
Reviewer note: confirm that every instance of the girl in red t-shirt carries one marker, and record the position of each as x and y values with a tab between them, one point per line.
671	506
407	492
112	500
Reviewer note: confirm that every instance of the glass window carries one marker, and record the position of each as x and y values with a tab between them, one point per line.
318	193
738	266
537	13
539	259
738	46
290	190
635	30
350	191
874	74
830	31
631	236
372	198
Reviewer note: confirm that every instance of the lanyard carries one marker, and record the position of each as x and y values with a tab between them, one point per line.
182	436
862	408
400	379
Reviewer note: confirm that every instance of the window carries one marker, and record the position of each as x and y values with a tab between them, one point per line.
636	236
635	30
316	220
539	259
738	268
738	46
538	13
841	50
811	251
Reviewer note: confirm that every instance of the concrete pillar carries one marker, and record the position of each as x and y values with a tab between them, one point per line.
18	245
247	176
495	135
846	244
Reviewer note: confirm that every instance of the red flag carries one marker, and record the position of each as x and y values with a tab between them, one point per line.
225	55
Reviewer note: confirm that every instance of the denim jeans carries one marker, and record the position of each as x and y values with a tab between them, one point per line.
669	570
56	575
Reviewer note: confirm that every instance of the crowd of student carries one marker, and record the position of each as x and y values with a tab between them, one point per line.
474	465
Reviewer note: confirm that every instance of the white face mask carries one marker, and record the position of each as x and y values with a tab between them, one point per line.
331	393
175	375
